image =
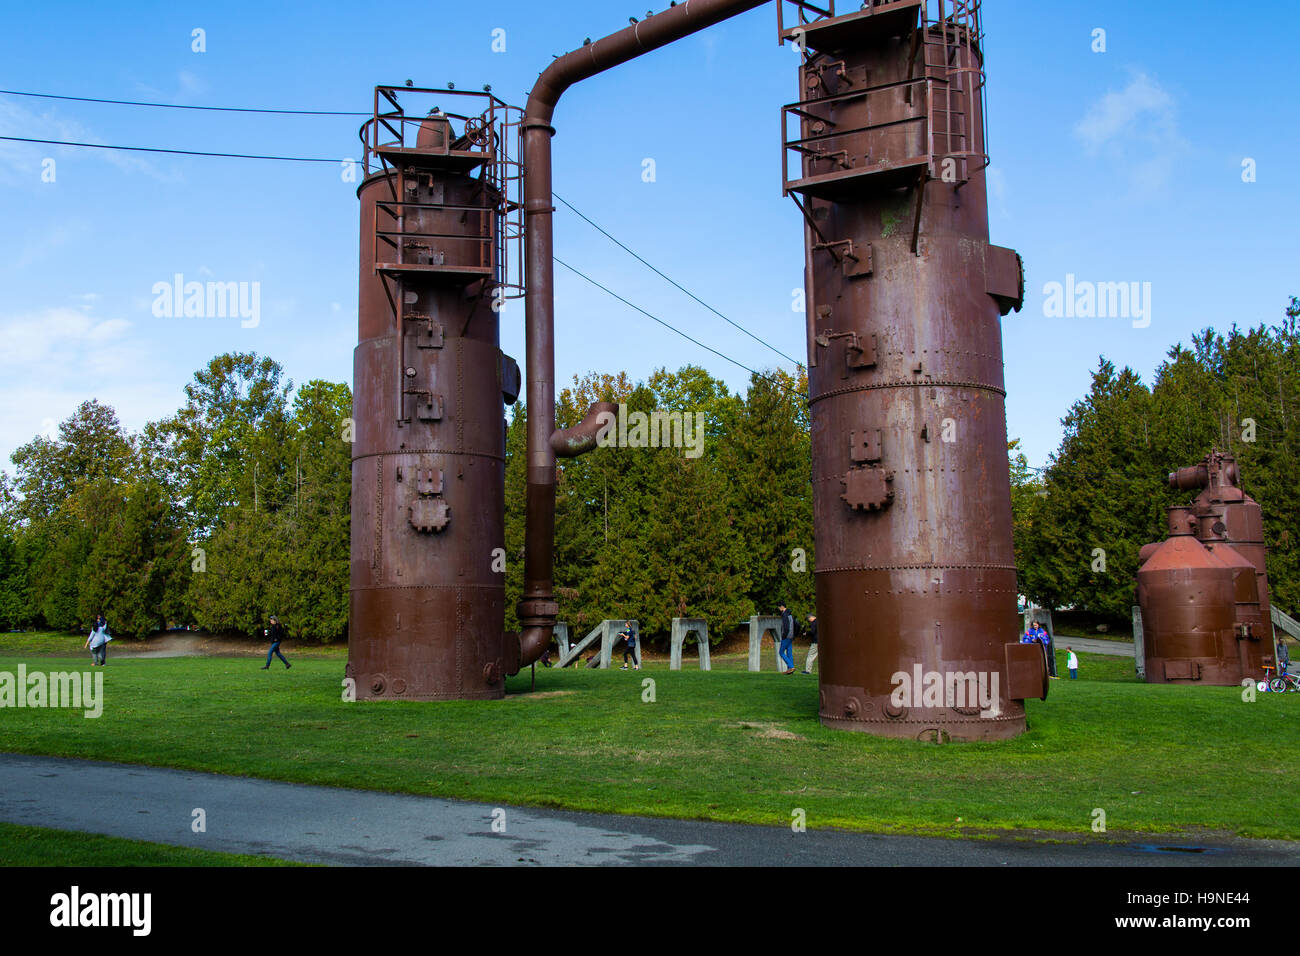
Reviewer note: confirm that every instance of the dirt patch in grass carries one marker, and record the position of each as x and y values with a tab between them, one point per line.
540	696
770	731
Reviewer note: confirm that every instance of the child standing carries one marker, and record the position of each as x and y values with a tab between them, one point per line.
812	644
1072	663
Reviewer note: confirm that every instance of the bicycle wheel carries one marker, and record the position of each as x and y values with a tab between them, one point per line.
1277	685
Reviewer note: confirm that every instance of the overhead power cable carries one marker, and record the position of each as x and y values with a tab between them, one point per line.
313	159
286	112
676	285
650	315
181	106
159	149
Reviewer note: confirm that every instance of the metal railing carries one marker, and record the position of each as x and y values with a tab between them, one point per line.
947	37
792	14
483	136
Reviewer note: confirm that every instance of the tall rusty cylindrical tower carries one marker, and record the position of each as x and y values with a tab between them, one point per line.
885	155
428	466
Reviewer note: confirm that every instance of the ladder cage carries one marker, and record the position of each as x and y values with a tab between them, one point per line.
945	70
483	133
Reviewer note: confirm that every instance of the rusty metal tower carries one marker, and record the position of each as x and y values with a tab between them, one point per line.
428	463
884	153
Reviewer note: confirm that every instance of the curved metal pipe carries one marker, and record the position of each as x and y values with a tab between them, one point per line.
538	609
533	642
581	438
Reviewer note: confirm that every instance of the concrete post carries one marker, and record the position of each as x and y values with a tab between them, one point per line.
574	650
683	626
1139	654
759	625
610	634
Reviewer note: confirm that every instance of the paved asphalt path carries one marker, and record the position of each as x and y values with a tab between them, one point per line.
357	827
1092	645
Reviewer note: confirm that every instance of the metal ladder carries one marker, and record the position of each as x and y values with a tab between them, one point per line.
951	87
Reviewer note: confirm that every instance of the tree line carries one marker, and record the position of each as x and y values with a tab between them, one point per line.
1080	523
230	509
655	533
237	505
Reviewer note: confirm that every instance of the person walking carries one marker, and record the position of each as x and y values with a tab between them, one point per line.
812	644
1072	662
276	634
1035	634
98	641
629	647
1045	638
785	650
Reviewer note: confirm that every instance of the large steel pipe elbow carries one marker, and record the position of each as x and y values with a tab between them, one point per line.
533	642
600	419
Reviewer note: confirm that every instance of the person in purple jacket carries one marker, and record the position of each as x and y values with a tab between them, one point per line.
1036	634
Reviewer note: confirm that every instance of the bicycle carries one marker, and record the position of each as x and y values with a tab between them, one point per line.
1282	683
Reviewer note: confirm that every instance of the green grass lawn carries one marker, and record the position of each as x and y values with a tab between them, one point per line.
65	644
725	745
41	846
42	643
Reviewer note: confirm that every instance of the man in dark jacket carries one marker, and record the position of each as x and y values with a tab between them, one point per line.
785	649
812	644
276	634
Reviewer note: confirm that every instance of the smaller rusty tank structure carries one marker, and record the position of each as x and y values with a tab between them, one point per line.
1203	591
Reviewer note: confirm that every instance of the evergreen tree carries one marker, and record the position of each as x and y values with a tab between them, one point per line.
767	456
137	568
1104	498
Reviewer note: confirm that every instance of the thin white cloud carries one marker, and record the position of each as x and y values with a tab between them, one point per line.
56	358
1135	128
37	409
48	241
1143	103
189	86
22	161
54	335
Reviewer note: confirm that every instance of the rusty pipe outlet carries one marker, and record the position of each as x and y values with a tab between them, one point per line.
581	438
538	609
1187	479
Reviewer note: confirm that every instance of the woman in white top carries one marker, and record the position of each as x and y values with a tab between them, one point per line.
98	641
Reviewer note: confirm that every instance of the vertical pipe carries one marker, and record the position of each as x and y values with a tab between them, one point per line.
538	609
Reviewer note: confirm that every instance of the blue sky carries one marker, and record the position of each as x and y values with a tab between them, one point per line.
1117	166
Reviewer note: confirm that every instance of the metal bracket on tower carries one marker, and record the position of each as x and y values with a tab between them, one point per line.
859	352
865	445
